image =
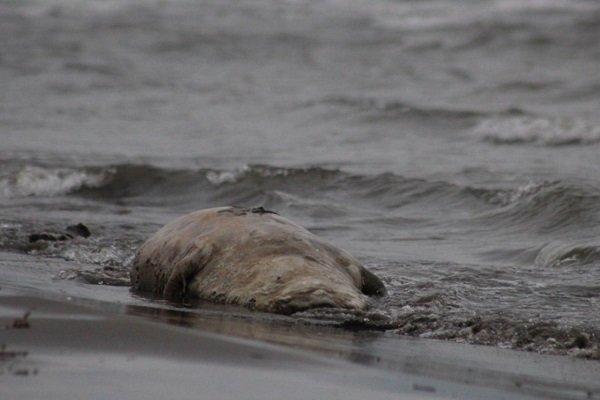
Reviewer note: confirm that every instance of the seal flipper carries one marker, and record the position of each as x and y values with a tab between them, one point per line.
184	272
371	284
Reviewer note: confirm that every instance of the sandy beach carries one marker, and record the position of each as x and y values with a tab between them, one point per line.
63	350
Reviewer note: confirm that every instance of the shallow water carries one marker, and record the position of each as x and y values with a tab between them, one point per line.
451	146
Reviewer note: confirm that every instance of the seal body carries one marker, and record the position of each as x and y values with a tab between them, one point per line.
250	257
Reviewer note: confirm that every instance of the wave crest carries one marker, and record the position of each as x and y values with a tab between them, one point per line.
545	207
370	109
559	254
38	181
536	130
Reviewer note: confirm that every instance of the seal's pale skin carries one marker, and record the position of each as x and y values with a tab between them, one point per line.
250	257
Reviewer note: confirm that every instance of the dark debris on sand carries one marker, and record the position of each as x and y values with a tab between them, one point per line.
11	362
541	337
21	323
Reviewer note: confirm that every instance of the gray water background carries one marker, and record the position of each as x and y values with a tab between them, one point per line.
451	146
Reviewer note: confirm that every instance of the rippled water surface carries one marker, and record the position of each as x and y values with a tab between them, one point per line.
452	146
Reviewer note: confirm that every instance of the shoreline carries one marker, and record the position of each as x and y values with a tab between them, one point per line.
71	350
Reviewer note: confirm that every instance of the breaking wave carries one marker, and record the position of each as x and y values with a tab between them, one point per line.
545	206
536	130
31	180
559	254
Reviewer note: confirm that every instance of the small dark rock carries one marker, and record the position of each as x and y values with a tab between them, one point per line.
581	341
79	230
34	237
71	232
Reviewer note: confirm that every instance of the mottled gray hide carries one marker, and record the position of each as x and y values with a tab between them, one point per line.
250	257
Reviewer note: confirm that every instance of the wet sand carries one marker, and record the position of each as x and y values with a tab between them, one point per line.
64	350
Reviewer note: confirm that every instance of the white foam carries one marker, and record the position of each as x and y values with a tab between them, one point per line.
91	253
523	191
538	130
220	177
231	176
37	181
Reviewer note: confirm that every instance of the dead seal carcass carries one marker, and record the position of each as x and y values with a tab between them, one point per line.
252	257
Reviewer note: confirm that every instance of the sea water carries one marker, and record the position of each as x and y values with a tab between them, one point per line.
451	146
